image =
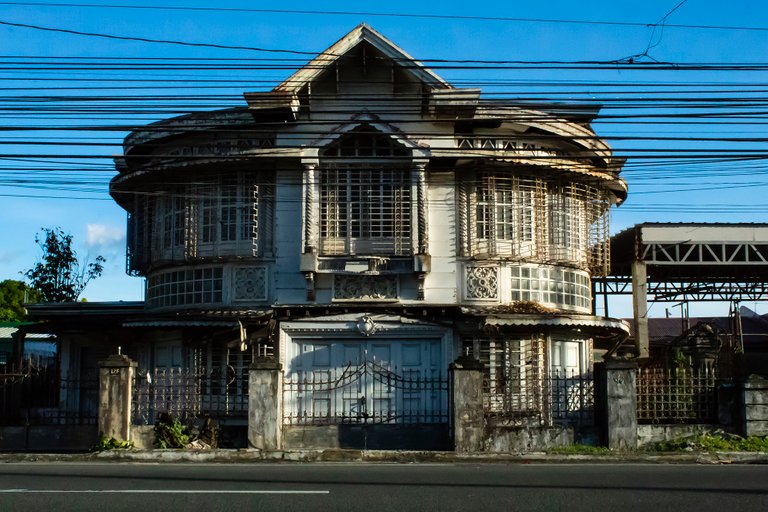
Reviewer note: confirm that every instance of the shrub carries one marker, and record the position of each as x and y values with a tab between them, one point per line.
170	433
111	443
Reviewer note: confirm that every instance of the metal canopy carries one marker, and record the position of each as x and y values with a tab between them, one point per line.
691	261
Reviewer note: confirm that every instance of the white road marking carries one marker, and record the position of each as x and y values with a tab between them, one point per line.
157	491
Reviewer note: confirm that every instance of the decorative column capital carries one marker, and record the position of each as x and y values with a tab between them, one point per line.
310	163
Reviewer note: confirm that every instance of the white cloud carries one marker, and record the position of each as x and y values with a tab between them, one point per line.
102	236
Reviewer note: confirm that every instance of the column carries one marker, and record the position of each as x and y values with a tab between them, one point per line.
310	220
265	380
115	389
616	400
640	307
421	207
754	405
468	420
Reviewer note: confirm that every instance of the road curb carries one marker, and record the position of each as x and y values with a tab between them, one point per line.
375	456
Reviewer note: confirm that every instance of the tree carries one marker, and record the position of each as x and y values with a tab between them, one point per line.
13	295
60	276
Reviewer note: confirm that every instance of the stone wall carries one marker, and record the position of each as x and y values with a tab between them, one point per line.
526	439
649	435
755	406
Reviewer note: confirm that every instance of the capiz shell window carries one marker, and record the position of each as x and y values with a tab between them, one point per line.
185	287
562	288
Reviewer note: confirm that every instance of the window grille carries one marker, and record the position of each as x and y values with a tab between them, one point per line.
365	209
514	385
521	388
512	215
568	237
214	216
227	209
504	213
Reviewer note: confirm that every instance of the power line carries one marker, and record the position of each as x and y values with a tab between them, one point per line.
386	15
150	40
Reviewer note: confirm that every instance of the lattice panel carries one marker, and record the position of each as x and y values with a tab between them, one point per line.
352	287
250	284
482	283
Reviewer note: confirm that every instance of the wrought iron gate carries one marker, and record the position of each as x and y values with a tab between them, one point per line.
368	393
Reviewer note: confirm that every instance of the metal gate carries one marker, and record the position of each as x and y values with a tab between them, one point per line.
367	393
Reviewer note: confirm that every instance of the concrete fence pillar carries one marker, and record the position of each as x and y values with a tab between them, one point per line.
754	406
265	417
616	395
115	388
468	419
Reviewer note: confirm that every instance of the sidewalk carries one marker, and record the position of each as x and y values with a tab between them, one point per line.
375	456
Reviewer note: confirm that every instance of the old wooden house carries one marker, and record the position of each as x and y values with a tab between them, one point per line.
362	225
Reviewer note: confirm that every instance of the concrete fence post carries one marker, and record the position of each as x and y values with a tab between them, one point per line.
468	419
754	405
115	388
616	395
265	421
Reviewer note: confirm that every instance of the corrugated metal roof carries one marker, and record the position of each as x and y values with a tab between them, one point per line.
559	321
7	332
182	323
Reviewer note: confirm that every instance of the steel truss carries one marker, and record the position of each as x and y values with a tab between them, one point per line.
701	290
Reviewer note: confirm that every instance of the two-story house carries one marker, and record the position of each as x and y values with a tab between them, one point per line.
364	224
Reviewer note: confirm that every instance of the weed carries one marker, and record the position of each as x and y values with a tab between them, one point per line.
111	443
170	433
717	441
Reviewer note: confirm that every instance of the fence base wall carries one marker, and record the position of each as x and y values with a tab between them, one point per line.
48	438
649	435
143	436
366	437
527	439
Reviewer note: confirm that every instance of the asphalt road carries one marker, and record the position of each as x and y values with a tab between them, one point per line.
37	487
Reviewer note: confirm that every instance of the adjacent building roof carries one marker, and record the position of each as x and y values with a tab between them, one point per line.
694	249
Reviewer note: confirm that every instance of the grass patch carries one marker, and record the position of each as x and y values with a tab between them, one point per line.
580	449
715	442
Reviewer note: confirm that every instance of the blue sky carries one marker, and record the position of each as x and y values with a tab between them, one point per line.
98	224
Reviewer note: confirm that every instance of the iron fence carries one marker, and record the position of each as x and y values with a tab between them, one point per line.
186	393
38	395
562	397
677	394
368	393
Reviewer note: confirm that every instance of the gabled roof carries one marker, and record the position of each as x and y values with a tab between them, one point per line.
360	33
